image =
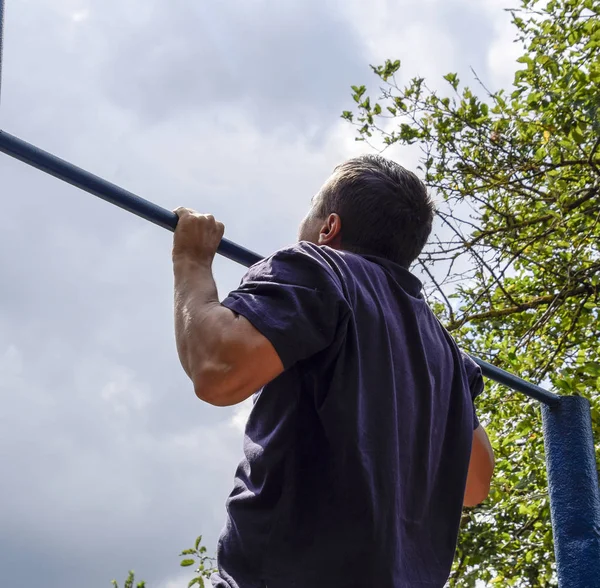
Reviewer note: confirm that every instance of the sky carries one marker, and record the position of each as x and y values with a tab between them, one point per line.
108	461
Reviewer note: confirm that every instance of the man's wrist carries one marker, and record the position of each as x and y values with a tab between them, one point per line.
194	280
185	262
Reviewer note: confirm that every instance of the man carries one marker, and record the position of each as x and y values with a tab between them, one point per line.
362	445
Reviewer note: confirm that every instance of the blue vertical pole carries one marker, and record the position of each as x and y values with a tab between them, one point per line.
573	490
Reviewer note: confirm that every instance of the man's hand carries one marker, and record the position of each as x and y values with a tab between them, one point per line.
197	236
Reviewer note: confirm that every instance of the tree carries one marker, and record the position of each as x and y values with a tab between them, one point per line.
515	271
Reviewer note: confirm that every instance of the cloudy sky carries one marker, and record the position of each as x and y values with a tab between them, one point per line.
107	459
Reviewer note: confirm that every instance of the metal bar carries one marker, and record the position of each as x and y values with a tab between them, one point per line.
110	192
573	490
164	218
503	377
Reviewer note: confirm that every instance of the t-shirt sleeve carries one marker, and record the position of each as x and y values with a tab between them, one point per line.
475	379
295	299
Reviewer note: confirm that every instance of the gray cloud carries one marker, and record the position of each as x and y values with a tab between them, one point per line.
286	64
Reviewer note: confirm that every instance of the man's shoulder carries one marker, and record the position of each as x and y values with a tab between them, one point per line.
310	257
306	248
302	264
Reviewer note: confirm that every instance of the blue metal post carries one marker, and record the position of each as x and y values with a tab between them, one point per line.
573	490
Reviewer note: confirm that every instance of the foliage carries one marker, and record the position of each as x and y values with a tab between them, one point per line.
515	271
197	554
129	582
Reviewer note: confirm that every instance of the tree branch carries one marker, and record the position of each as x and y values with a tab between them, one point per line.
585	289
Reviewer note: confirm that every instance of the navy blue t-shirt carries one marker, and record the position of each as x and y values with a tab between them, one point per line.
356	456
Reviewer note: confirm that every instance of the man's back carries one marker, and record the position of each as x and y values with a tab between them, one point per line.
357	455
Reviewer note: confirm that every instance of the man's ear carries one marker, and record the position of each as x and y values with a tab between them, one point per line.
330	233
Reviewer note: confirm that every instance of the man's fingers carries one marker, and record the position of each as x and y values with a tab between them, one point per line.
181	211
208	220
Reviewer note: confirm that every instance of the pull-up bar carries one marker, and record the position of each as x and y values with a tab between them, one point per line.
167	219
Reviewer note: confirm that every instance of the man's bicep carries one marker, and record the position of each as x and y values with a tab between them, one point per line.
258	361
244	362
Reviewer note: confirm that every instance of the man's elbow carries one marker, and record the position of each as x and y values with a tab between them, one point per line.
211	395
210	385
476	493
218	385
481	469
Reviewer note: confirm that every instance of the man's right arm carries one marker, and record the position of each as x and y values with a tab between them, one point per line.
481	468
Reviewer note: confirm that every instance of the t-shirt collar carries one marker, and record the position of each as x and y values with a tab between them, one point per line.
408	280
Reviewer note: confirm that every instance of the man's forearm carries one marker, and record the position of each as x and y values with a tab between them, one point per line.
196	298
226	358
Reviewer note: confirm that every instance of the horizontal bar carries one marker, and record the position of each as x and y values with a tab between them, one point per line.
164	218
110	192
511	381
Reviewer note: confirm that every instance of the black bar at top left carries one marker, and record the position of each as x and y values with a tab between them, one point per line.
112	193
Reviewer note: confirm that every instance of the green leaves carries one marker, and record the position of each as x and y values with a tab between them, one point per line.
452	79
129	582
204	570
206	564
577	136
387	70
525	59
358	92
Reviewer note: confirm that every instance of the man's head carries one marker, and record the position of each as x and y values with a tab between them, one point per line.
371	205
